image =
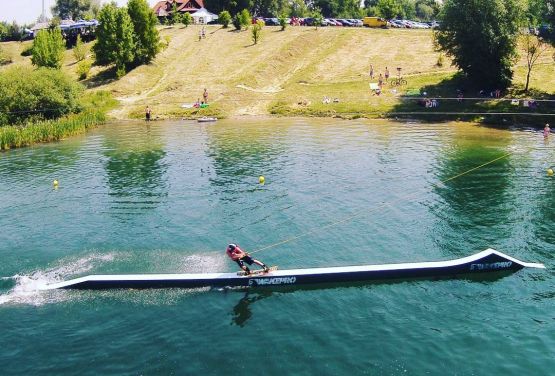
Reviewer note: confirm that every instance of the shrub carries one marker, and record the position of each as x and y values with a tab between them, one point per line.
27	51
237	22
440	60
48	49
224	18
282	22
245	18
79	51
186	19
42	93
256	31
83	69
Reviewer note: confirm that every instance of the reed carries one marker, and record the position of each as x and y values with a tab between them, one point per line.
49	130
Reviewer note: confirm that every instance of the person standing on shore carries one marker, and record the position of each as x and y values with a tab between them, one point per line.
386	74
546	131
148	113
371	71
205	96
380	81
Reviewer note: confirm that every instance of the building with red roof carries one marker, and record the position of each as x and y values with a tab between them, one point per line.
164	8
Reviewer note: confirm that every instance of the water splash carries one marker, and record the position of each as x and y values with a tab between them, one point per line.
26	289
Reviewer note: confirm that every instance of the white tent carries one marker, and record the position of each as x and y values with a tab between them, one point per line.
202	16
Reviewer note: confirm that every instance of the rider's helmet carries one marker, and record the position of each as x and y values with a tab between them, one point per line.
231	247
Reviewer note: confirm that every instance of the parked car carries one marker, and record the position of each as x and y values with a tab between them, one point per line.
374	22
335	22
345	22
271	21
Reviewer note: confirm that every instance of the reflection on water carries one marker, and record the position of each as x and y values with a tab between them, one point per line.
239	154
135	174
469	200
242	311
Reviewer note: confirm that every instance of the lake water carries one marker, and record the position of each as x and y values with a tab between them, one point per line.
167	197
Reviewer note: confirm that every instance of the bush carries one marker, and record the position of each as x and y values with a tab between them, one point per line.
43	93
256	31
440	60
245	18
83	69
237	22
48	49
282	22
79	51
224	18
28	51
186	19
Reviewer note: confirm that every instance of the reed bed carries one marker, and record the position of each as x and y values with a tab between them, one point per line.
49	130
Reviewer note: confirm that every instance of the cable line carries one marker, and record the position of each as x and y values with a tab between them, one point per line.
364	211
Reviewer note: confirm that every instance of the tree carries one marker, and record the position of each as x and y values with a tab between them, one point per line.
175	16
3	31
114	38
424	12
224	18
145	35
71	9
534	47
237	22
481	38
408	9
388	9
245	18
282	22
256	31
79	51
48	49
186	19
298	8
318	18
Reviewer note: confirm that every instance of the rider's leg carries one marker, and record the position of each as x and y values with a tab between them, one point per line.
260	263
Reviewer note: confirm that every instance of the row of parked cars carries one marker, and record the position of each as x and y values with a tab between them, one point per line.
350	22
408	24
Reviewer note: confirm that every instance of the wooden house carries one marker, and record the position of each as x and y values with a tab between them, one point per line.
164	8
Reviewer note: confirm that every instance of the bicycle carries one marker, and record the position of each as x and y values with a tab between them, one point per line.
399	80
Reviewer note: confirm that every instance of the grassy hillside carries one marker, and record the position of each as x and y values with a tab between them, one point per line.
288	72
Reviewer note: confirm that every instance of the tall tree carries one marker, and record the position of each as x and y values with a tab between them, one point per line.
533	47
481	38
114	44
71	9
388	9
48	49
146	37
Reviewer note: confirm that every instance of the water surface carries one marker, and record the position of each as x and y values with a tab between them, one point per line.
167	197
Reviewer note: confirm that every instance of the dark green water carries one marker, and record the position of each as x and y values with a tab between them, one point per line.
168	198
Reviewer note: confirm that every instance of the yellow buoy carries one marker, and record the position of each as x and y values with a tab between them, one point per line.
55	183
549	172
261	180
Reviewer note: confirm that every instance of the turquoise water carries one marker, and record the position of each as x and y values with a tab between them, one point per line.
167	197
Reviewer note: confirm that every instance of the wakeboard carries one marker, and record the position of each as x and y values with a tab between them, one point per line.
256	272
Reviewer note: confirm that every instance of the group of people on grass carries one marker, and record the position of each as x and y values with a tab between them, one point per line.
197	104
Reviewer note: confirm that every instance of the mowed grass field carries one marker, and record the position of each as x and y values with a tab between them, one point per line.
286	73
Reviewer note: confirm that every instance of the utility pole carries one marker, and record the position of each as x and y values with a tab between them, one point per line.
42	17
